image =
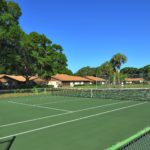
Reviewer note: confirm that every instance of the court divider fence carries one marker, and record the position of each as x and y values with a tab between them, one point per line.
136	94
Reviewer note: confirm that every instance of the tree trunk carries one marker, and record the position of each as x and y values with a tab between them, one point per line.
114	78
27	80
119	77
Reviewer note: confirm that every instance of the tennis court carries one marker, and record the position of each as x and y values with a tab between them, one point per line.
48	122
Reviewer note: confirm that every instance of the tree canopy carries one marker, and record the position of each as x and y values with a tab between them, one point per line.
105	70
116	61
143	72
27	54
86	71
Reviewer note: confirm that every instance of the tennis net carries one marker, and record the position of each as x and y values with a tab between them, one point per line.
118	94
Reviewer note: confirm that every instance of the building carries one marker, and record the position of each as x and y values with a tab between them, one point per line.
134	80
14	81
38	81
3	80
11	80
96	80
60	80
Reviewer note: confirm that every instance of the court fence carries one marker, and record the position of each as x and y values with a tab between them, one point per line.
139	141
6	144
136	94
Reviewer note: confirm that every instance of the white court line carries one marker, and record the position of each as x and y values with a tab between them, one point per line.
73	120
31	120
50	116
38	106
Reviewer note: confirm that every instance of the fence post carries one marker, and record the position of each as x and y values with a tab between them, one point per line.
91	93
36	91
45	91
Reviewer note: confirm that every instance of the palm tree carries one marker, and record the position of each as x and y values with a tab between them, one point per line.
116	61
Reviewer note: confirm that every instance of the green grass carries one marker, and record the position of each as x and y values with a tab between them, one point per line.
70	123
7	95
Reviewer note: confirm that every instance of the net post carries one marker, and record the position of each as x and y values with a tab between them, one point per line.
36	91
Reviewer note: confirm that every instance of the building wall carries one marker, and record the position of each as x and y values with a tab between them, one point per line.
134	82
66	83
55	83
79	83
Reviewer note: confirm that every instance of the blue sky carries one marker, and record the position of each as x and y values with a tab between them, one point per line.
92	31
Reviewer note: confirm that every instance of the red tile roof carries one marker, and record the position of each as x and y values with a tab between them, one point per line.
95	78
64	77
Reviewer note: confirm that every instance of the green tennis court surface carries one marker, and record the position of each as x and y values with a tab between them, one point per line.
45	122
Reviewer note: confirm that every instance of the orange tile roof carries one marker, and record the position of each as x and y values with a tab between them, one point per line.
14	77
134	79
95	78
64	77
17	78
37	79
33	78
2	75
